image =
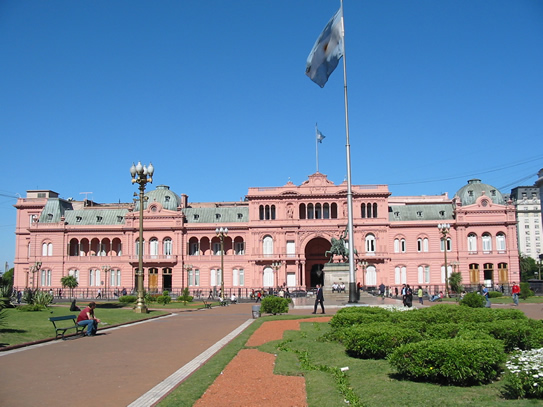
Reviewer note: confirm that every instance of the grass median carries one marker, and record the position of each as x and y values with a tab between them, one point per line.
18	327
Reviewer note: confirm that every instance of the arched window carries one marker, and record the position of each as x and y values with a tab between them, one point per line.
167	246
368	211
273	212
45	278
138	247
326	211
449	271
267	280
301	211
396	245
318	211
400	275
267	212
267	246
448	242
500	242
310	211
371	276
374	210
334	211
153	246
74	273
370	243
363	210
261	212
487	243
402	245
424	274
472	243
425	244
474	273
94	278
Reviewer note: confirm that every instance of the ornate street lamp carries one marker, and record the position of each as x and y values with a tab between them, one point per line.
221	233
444	229
141	175
276	265
34	269
105	269
364	265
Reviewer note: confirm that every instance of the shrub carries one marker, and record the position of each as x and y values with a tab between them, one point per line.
274	305
516	334
495	294
42	298
376	341
457	362
350	316
473	300
525	291
127	299
164	299
185	297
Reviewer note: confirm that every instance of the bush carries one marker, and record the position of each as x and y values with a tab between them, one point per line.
274	305
376	341
473	300
495	294
516	334
452	362
127	299
525	291
186	297
350	316
164	299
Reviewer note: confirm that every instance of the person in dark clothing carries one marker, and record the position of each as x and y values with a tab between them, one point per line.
319	299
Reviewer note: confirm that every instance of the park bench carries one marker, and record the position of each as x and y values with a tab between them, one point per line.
61	328
206	304
224	302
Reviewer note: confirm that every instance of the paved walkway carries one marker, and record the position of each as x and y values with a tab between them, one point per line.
135	365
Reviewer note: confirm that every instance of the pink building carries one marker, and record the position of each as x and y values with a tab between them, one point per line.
277	236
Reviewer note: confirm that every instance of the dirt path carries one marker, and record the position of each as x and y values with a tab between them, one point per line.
254	369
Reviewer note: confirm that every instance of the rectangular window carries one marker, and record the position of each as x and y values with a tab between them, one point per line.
196	277
191	278
291	248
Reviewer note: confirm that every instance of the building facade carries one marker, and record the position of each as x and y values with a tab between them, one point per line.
277	236
527	201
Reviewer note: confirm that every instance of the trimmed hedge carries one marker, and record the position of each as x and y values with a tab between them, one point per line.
376	341
451	362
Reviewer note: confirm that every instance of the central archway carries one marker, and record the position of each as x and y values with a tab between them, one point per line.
315	261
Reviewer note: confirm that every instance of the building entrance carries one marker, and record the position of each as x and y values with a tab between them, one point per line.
315	261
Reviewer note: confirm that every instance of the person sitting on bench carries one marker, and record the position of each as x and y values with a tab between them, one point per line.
86	317
437	296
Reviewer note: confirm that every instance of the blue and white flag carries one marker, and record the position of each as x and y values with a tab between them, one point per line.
327	51
320	136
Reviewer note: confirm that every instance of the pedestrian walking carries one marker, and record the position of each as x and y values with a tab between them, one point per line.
319	299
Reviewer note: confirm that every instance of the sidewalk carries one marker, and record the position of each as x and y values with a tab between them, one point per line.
117	367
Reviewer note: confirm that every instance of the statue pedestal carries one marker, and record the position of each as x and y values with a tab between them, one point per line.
336	273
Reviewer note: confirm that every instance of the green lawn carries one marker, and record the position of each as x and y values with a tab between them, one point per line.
21	327
372	382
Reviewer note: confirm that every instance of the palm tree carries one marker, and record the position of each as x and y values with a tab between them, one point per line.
70	282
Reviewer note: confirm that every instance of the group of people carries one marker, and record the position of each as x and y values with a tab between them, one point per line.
338	287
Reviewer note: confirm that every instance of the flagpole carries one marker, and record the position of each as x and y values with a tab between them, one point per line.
317	144
352	283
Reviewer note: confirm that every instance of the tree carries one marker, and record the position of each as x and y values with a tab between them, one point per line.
7	277
528	267
455	282
70	282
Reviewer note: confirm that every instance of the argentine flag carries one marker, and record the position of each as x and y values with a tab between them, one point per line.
327	51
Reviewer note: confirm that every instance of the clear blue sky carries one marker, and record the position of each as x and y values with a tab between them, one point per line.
213	92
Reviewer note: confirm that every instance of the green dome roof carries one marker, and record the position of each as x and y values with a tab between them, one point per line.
469	193
164	196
